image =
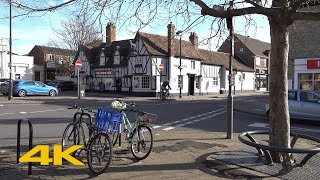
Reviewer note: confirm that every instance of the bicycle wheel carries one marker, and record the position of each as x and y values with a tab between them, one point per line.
100	153
115	137
141	142
70	137
159	96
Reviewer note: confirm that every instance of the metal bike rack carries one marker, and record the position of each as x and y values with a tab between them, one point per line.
30	142
266	149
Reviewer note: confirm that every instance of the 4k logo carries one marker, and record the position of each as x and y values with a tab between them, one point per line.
58	155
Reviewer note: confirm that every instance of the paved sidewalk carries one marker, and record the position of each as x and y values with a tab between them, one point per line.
176	155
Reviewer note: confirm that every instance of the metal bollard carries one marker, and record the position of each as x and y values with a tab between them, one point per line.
30	142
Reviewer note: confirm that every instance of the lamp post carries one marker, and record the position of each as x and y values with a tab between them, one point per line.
230	97
179	33
10	61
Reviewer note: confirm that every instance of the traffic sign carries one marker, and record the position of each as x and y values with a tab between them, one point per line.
78	64
160	67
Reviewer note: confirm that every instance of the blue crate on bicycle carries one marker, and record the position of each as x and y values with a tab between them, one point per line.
108	120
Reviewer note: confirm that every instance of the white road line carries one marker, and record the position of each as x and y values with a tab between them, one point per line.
207	117
34	142
167	129
6	114
260	125
193	117
155	127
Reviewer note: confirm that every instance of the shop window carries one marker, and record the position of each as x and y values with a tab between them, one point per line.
193	64
215	81
145	82
116	60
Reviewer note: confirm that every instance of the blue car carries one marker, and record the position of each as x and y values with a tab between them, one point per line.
28	87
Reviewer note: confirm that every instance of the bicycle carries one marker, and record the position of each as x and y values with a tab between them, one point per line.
163	96
94	147
138	133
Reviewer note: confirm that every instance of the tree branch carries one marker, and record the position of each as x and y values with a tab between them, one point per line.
296	5
253	3
52	8
206	10
308	16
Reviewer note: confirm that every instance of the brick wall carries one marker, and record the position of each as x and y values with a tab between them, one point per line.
304	38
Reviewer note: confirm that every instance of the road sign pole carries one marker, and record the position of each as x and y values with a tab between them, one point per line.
78	83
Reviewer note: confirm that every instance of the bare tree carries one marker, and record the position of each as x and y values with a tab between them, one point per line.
78	30
281	14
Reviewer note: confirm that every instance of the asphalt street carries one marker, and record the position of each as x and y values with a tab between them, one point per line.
49	120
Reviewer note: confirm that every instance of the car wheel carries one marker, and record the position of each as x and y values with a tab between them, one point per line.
52	93
22	93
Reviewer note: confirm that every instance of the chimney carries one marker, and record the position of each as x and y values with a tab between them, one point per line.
194	39
171	30
110	33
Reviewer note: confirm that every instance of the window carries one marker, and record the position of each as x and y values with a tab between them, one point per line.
136	82
263	62
193	64
258	61
292	95
29	84
102	59
116	60
138	60
215	81
51	57
145	83
241	50
309	97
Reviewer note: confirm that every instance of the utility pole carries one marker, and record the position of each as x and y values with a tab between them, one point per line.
230	97
10	61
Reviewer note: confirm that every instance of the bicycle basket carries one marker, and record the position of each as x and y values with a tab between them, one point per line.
108	120
146	118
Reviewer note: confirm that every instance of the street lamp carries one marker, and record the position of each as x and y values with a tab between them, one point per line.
10	61
230	98
179	33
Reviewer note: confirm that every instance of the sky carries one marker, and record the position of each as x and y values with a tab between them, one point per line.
38	29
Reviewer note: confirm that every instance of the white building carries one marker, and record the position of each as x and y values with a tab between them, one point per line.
132	66
22	66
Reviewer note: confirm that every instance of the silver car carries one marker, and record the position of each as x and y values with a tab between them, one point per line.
303	104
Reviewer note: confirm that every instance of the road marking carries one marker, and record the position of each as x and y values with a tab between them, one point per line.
260	125
207	117
6	114
168	129
155	127
35	142
193	117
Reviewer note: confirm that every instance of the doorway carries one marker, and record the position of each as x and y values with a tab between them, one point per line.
118	85
191	85
37	76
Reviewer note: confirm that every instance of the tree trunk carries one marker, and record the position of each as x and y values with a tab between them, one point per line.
279	119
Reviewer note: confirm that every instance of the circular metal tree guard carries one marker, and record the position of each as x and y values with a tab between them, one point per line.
266	149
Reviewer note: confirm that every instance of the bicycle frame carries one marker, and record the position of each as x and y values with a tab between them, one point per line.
130	127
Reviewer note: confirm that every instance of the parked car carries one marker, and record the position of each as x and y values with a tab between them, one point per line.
3	80
4	86
29	87
65	85
53	82
303	104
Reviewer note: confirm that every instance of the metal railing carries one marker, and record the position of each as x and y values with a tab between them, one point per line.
266	149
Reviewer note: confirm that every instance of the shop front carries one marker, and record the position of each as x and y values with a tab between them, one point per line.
307	74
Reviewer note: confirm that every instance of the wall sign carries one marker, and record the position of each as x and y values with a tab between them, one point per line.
313	64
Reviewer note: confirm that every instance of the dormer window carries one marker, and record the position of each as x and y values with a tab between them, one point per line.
102	59
116	59
241	50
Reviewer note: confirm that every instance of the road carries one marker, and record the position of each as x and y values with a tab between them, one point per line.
49	120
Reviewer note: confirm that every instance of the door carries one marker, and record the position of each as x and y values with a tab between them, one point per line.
310	105
191	85
37	76
118	85
41	88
